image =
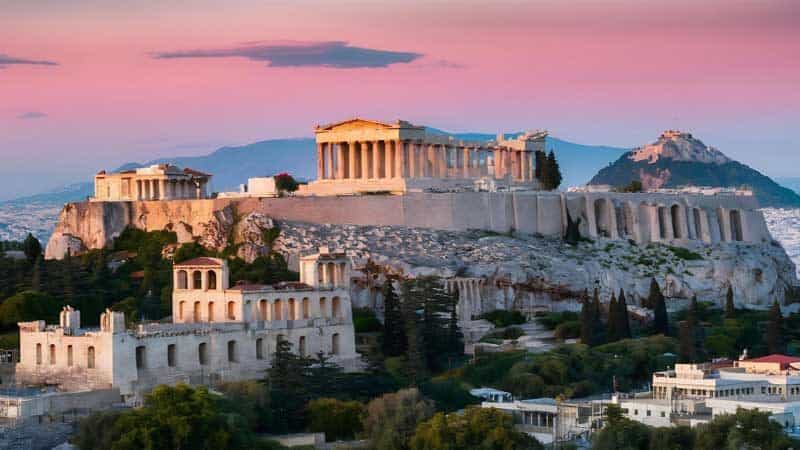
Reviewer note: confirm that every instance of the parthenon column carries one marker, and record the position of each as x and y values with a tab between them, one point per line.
388	160
376	159
351	160
364	160
399	160
329	160
412	160
163	189
339	161
443	161
320	161
465	159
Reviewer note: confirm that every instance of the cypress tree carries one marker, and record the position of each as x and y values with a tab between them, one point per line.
599	330
554	177
774	336
587	320
688	333
612	333
394	335
730	309
624	323
414	359
652	296
541	159
32	248
38	274
660	318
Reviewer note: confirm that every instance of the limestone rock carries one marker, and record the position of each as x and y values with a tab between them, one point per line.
60	244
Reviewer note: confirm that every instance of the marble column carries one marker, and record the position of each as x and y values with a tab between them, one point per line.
412	160
443	158
320	161
376	159
388	160
364	160
351	160
400	160
329	161
163	190
339	161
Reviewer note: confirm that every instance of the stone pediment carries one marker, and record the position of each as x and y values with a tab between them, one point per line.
356	123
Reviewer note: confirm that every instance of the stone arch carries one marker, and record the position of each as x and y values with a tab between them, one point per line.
183	281
259	348
69	355
172	355
721	221
197	279
141	357
231	311
196	314
263	309
210	311
276	309
675	216
52	354
181	306
202	353
232	356
662	222
306	308
90	357
335	344
211	277
323	307
336	305
602	218
698	223
292	313
736	225
38	354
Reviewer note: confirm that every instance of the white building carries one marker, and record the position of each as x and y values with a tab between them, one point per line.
218	332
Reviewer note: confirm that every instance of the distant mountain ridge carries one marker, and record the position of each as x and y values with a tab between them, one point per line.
233	165
679	159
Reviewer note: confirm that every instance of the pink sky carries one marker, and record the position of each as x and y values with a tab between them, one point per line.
595	72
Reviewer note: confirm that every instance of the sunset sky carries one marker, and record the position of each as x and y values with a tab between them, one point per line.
90	84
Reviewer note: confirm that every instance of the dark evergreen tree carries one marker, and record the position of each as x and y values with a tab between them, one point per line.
551	177
541	160
612	331
414	357
287	381
587	319
37	276
730	308
660	317
599	329
622	315
32	248
394	334
687	335
774	334
653	295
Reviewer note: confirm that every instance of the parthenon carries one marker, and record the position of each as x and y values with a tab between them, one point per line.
157	182
360	155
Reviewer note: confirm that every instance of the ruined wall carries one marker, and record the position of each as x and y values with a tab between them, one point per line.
648	217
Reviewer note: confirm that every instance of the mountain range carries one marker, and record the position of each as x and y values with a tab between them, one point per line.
679	159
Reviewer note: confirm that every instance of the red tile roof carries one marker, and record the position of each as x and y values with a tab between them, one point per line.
784	360
201	261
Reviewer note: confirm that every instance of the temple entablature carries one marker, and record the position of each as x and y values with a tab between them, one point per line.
156	182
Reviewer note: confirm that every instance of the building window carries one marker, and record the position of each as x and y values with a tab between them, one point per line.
276	309
180	310
323	308
301	346
197	280
232	352
259	348
171	355
649	413
212	279
262	310
305	308
635	412
231	311
335	344
38	353
196	312
292	315
52	354
90	358
202	354
69	355
335	306
140	356
663	414
210	311
182	279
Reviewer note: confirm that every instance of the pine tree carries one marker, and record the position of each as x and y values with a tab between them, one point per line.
554	177
287	380
660	317
38	274
624	322
587	320
394	335
613	332
687	335
599	329
774	333
414	359
32	248
541	160
652	296
730	308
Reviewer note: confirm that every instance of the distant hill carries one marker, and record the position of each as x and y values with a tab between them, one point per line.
792	183
678	159
232	166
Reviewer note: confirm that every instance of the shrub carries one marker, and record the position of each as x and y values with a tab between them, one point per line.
337	419
364	321
502	318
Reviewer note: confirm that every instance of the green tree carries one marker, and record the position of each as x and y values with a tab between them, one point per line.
288	390
622	316
587	319
774	332
32	248
621	433
337	419
249	398
394	334
38	274
27	306
478	428
285	183
660	317
597	313
688	334
391	419
541	161
730	308
747	429
613	332
551	173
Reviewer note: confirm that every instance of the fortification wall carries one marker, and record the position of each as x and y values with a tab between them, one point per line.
645	217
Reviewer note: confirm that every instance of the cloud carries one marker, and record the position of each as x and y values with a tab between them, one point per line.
6	60
335	54
32	115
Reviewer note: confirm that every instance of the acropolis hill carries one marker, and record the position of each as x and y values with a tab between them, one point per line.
472	212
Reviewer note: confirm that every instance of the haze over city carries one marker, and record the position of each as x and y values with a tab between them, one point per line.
90	84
